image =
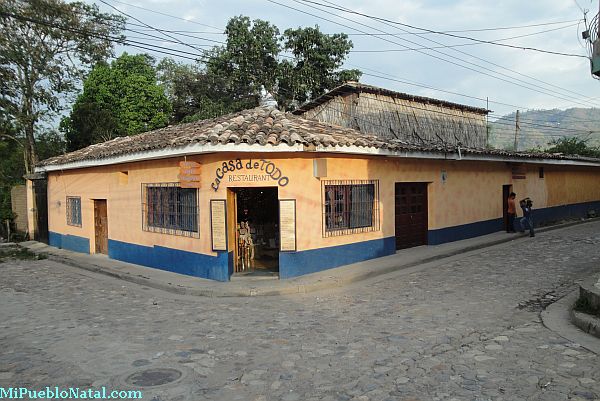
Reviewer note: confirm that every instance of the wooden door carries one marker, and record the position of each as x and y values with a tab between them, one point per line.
232	237
40	195
411	214
101	226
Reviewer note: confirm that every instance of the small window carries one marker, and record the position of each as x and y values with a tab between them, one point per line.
169	209
541	172
350	207
74	211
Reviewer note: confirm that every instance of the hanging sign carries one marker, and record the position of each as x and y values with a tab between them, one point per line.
255	171
287	224
189	174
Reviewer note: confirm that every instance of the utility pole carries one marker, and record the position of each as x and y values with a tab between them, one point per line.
487	122
517	128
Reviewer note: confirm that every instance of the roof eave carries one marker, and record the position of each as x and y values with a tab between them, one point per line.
196	149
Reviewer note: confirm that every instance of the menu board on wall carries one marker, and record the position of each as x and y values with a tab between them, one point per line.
218	225
287	224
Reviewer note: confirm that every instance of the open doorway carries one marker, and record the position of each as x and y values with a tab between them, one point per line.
257	231
506	190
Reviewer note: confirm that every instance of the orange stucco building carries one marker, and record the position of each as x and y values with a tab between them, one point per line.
314	196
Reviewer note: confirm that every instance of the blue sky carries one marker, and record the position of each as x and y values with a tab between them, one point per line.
539	80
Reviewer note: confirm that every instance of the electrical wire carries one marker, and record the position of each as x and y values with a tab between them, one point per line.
534	88
404	81
457	45
141	45
168	51
428	54
445	33
482	29
149	26
165	14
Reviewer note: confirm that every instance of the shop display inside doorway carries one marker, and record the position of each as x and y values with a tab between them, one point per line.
257	231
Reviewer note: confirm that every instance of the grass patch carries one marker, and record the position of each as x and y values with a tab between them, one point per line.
19	253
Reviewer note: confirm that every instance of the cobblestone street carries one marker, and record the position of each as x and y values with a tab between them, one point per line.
464	328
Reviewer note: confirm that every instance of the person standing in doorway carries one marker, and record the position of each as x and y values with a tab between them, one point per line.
511	212
527	207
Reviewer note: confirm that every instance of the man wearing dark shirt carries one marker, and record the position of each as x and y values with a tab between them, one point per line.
527	206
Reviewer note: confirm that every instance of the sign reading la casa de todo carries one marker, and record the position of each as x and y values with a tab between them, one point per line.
255	171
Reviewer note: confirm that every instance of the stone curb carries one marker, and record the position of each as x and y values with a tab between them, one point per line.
588	323
303	284
557	317
589	291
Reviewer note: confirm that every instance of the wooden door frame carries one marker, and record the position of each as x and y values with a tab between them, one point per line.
506	190
94	201
232	240
425	184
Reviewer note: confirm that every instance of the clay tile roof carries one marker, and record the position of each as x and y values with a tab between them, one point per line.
261	126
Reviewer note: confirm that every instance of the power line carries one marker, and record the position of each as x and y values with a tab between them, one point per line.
535	87
479	120
476	98
149	26
481	29
495	64
456	45
105	37
165	14
366	34
381	77
168	51
448	126
538	89
445	33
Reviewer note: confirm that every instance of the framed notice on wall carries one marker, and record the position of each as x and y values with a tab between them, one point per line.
287	224
218	224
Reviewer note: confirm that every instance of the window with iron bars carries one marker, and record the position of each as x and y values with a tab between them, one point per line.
350	207
74	211
169	209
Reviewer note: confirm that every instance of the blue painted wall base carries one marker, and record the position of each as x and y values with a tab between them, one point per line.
69	242
293	264
173	260
540	217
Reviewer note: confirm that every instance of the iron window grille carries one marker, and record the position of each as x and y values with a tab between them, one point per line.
74	211
350	207
169	209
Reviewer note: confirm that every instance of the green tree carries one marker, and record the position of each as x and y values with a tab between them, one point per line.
248	60
573	146
120	99
315	66
231	76
196	94
46	46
